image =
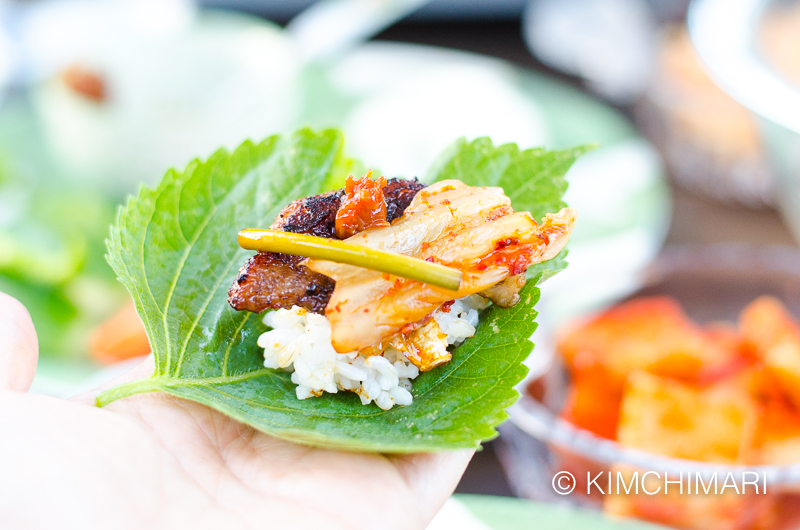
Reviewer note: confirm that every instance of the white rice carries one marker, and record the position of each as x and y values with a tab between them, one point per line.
300	342
460	319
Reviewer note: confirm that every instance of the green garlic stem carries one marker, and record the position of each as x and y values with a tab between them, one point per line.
343	252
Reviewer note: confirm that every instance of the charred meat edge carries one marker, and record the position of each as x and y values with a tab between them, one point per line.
274	281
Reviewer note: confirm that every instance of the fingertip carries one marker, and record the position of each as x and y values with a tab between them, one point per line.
433	477
19	346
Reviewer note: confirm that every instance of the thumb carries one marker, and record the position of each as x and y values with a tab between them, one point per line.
19	347
432	477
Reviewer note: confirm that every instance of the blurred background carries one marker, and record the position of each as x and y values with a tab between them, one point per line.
694	192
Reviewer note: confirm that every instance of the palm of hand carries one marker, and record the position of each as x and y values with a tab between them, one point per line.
157	461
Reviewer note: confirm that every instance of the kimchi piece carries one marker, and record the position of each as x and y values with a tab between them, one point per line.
362	207
473	229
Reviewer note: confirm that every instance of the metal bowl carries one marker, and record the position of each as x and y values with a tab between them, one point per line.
726	35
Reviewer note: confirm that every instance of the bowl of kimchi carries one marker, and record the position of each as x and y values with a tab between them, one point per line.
695	379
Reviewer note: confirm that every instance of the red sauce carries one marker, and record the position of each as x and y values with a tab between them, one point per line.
85	82
414	326
397	285
503	243
425	195
549	232
516	258
363	206
498	213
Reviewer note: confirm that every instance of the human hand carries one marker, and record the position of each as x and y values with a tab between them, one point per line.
157	461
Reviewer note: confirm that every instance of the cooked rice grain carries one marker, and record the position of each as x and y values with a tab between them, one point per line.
300	341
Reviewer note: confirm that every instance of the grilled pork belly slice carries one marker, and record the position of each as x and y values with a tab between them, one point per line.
473	229
274	281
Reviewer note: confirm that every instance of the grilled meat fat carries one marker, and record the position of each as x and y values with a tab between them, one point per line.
273	281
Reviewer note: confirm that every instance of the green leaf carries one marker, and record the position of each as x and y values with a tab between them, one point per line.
546	269
455	406
175	249
533	179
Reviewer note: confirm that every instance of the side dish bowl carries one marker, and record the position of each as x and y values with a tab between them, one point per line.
712	283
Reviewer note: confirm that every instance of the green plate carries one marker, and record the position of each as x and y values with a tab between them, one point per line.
483	512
